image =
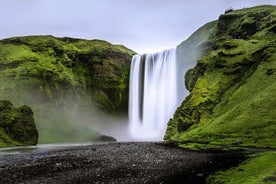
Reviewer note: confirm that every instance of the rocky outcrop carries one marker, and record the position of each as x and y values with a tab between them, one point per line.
105	138
17	126
232	99
62	78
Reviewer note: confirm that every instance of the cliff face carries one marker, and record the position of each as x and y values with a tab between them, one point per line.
59	76
189	51
232	98
17	126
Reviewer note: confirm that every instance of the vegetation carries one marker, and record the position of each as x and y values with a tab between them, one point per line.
259	169
60	77
17	126
232	99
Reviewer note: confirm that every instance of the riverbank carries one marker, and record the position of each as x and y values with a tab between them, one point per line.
114	163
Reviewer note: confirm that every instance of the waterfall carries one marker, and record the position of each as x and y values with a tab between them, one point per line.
154	94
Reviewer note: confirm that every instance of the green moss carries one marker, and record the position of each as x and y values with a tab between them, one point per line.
259	169
232	99
205	146
17	126
54	75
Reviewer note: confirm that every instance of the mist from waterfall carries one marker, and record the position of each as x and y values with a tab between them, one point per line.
155	93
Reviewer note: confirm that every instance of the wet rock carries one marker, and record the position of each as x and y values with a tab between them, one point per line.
106	138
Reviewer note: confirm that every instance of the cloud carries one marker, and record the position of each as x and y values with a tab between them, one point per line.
143	25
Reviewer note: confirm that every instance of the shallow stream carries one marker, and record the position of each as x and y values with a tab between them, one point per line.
41	148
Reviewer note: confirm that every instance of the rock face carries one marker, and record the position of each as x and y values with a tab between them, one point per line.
17	126
232	98
60	77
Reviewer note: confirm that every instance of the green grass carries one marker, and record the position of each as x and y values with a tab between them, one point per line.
261	168
246	111
208	147
232	100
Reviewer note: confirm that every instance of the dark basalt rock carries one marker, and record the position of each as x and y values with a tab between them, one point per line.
105	138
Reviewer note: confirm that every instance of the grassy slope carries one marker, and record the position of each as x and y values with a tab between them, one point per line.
259	169
58	76
232	99
197	44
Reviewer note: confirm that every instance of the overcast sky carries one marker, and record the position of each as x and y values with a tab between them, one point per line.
142	25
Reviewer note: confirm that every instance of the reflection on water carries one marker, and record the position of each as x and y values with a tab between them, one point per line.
40	148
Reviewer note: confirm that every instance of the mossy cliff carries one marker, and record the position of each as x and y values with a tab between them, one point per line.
17	126
232	98
58	77
188	52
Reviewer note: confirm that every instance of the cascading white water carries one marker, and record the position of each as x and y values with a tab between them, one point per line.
153	96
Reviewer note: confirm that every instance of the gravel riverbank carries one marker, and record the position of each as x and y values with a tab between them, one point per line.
122	163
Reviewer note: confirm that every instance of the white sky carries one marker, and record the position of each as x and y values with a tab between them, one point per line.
141	25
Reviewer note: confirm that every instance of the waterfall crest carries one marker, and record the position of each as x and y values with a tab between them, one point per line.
154	94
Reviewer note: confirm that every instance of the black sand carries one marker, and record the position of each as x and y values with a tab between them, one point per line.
122	163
